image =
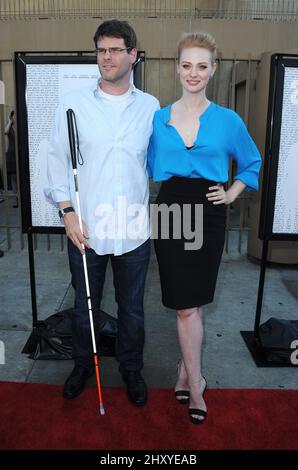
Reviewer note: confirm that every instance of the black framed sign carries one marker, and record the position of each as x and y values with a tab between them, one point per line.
41	80
279	207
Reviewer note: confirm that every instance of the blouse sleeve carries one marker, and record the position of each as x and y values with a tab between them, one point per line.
150	157
248	157
151	147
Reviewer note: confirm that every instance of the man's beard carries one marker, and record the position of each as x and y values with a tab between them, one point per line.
113	78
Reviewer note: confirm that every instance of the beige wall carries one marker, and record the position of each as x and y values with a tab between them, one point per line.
236	39
158	37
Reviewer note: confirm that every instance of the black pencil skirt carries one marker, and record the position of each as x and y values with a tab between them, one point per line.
188	277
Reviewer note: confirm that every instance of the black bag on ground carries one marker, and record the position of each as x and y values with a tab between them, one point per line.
276	337
52	339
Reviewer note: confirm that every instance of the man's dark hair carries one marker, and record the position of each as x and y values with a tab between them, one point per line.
117	29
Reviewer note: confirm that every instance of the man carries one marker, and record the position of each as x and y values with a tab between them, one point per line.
11	155
114	122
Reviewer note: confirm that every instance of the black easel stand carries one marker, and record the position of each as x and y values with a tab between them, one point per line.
252	338
31	343
277	100
260	292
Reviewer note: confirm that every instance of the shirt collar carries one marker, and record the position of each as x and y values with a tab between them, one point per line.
131	88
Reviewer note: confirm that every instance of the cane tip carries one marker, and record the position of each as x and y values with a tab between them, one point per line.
101	410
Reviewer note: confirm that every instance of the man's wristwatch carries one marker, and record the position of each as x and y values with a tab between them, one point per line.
64	211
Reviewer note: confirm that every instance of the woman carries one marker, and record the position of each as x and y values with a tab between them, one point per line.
192	142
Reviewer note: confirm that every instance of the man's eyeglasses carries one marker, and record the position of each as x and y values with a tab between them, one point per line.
111	50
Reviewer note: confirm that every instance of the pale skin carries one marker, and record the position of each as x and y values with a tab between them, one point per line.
115	77
195	68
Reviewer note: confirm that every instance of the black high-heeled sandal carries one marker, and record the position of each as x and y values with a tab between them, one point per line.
197	411
185	394
182	393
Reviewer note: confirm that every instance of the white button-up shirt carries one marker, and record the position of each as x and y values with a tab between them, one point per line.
114	133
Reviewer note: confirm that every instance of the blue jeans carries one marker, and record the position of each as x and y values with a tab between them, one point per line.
129	273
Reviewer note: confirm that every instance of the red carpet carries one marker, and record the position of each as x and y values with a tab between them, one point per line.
37	417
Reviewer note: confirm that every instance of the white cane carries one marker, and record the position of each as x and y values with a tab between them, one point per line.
71	123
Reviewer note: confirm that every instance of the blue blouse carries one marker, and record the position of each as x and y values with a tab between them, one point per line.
222	135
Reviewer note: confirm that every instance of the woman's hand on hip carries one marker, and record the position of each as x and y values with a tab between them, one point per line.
219	195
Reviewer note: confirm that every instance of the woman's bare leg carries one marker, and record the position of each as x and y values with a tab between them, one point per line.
190	334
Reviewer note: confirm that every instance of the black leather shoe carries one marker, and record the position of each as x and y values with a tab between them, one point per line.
136	387
76	382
